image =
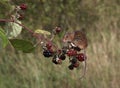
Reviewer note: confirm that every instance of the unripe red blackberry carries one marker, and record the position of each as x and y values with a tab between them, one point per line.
49	45
23	6
57	29
71	52
81	57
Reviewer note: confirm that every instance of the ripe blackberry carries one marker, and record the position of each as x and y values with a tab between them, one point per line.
47	53
62	57
74	60
71	67
56	60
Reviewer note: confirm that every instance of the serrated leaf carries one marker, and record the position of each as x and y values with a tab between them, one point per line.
42	32
12	29
23	45
3	39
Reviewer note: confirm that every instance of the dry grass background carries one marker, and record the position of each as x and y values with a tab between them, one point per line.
19	70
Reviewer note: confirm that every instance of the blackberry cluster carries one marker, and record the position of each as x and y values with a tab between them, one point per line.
75	57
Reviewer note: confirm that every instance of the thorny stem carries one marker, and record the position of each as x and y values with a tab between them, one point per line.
39	37
29	30
9	20
52	36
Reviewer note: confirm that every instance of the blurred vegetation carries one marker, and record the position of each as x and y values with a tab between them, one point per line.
101	20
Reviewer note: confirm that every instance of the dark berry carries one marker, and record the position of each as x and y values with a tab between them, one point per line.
64	51
81	57
56	60
76	65
57	29
47	53
62	57
71	67
23	6
74	60
77	48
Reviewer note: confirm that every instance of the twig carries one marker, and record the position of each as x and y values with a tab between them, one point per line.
26	28
85	65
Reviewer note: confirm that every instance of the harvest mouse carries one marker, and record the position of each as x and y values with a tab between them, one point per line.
76	39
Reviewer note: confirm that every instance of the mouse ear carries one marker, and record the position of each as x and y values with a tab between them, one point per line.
83	30
67	33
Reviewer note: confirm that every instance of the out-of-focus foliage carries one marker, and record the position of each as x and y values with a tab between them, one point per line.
3	39
5	8
23	45
50	13
101	20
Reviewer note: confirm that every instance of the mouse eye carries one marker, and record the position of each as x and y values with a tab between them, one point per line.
67	36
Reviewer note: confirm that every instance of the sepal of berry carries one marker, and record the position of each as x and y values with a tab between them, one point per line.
21	17
59	61
51	50
23	6
76	65
64	51
54	61
59	51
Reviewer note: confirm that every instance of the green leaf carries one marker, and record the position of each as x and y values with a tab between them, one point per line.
42	32
3	38
12	29
23	45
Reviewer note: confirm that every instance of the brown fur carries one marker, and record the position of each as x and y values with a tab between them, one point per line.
76	37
